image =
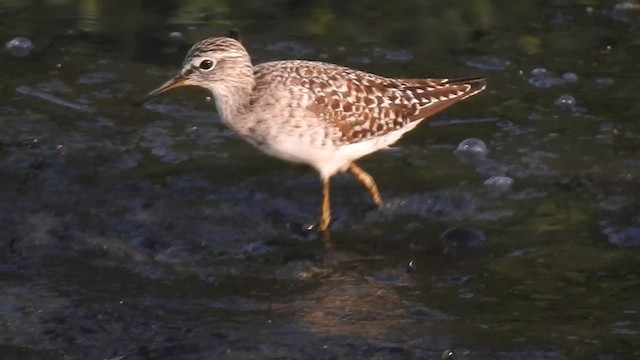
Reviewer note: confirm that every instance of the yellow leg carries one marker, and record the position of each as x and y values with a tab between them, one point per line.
325	217
367	181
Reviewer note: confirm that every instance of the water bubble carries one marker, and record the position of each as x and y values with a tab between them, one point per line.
175	35
539	72
19	47
570	77
499	183
566	102
472	146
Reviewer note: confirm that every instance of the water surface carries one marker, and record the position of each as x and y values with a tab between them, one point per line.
155	232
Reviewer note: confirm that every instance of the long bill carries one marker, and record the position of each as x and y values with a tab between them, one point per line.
176	82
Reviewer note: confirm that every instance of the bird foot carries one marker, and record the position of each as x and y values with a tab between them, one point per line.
319	226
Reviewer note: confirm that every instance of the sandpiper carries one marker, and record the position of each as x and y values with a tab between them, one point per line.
320	114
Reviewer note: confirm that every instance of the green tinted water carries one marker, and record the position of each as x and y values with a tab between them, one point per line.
154	232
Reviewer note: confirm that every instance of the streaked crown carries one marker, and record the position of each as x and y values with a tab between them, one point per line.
216	59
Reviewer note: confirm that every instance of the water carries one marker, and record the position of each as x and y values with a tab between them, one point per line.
154	232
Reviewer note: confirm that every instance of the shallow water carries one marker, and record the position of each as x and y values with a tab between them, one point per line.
154	232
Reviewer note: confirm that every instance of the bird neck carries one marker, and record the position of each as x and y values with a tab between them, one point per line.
233	97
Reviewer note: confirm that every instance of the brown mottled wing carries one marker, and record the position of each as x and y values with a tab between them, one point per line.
355	105
363	106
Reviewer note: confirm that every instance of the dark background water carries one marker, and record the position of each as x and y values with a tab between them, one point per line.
156	233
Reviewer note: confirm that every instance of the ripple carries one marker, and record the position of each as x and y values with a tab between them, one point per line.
359	59
95	78
604	82
488	63
291	47
25	90
400	55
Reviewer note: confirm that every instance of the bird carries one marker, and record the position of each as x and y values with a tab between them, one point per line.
321	114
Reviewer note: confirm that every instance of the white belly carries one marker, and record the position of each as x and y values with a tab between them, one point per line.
328	159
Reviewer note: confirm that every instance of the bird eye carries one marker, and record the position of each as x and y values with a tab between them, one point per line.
206	64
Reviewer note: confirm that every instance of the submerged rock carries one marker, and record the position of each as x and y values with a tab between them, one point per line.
462	238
